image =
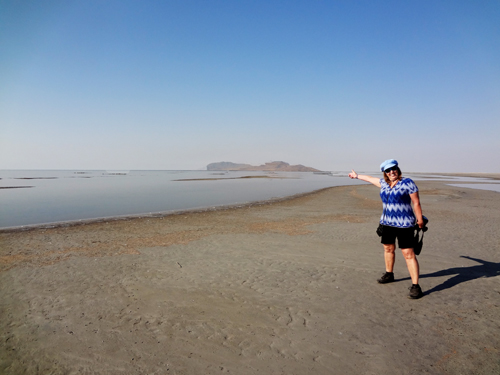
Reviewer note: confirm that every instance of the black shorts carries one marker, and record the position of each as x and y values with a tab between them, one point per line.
405	236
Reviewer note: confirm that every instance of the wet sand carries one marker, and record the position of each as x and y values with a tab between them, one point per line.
281	288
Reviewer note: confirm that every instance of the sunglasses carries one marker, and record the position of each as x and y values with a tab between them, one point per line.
391	169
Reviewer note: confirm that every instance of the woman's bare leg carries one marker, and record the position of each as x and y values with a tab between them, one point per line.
412	264
389	257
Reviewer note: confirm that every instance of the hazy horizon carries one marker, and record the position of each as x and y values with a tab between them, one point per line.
177	85
346	171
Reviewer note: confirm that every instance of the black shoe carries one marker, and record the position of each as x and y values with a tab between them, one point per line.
388	277
415	292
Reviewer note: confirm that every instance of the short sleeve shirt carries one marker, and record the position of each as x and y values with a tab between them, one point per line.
397	203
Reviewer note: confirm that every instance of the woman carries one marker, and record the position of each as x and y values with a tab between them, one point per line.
398	220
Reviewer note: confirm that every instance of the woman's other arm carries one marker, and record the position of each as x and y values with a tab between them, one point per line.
417	208
372	180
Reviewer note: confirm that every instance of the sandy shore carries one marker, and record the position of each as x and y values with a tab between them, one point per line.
284	288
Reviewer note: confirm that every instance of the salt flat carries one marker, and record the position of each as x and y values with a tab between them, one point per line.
282	288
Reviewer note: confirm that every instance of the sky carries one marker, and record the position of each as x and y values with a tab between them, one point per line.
334	85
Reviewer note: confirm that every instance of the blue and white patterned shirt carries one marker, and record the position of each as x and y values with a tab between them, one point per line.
397	203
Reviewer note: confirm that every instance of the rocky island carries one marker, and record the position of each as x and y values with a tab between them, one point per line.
275	166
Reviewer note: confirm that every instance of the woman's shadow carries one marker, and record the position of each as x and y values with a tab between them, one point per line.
463	274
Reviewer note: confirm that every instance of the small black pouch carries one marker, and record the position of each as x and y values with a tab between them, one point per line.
380	228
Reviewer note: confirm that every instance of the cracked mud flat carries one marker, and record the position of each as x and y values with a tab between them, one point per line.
284	288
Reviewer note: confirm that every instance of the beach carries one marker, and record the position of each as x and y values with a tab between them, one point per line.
283	287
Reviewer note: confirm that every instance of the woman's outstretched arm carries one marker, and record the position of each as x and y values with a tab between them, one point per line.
372	180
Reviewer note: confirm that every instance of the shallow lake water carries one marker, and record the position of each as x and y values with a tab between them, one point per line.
39	197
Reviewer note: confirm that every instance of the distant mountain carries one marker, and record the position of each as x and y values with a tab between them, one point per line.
275	166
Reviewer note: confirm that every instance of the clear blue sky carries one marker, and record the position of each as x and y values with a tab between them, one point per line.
180	84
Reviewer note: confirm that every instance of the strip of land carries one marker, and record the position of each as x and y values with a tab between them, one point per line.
282	288
230	178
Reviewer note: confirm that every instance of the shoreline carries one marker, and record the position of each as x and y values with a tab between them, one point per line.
161	214
78	222
493	176
67	199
